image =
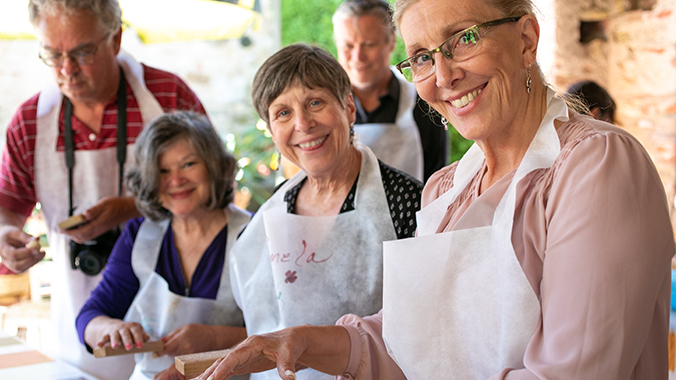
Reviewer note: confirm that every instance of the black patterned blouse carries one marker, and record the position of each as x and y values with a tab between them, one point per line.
403	198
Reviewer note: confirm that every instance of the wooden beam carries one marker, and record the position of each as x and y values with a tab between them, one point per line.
102	352
194	364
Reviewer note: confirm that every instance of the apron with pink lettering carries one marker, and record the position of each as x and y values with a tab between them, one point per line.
312	269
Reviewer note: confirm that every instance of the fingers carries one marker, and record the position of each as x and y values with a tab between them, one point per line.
13	251
209	373
85	232
104	339
286	373
20	260
128	336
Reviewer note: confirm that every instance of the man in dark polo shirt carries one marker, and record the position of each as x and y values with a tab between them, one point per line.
402	130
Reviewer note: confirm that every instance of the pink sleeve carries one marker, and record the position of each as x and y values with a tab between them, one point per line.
606	267
368	356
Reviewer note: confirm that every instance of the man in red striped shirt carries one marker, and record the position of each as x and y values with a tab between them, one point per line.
96	88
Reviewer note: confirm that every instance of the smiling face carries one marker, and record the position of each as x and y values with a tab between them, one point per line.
60	33
364	49
482	96
311	128
184	180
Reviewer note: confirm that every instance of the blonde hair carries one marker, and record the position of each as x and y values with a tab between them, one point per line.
508	8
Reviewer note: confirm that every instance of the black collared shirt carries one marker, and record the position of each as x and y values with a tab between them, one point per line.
402	191
433	136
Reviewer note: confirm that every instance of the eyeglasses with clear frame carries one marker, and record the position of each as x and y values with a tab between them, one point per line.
84	56
459	47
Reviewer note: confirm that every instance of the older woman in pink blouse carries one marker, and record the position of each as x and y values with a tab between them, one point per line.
543	254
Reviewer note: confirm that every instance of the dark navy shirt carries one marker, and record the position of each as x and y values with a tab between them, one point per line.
402	191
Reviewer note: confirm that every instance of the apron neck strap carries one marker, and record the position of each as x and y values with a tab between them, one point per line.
121	139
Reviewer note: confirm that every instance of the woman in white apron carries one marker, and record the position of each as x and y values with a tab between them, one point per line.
167	277
543	254
313	251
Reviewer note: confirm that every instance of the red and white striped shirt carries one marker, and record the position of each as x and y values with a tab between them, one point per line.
17	182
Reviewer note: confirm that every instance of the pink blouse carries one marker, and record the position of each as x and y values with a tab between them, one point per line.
594	238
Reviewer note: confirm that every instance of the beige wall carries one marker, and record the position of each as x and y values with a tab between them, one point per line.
636	64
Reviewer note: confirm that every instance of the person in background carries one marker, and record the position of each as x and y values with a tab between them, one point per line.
313	251
87	118
167	277
402	131
544	253
601	104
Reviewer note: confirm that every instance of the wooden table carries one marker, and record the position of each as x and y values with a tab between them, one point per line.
19	361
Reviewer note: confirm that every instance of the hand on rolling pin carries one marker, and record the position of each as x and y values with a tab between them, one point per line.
260	353
118	333
194	338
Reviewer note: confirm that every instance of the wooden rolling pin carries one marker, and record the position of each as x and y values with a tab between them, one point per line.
194	364
102	352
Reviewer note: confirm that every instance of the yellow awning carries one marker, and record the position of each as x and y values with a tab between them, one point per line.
157	20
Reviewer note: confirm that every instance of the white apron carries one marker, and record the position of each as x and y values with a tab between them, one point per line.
479	311
95	176
398	145
313	269
159	310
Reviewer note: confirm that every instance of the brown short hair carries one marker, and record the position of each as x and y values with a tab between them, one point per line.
309	66
143	178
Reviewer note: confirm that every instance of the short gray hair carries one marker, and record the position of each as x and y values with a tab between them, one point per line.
377	8
143	178
309	66
107	12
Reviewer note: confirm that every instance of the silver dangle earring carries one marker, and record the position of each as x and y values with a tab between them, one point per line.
352	133
444	122
279	159
528	80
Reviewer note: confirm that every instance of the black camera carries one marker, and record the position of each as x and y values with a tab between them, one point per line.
93	255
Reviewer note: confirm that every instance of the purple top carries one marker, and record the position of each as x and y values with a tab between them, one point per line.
118	287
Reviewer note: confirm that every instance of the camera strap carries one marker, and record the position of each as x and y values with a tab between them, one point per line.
121	139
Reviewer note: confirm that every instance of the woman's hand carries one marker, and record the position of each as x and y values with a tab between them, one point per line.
189	339
259	353
170	373
325	348
102	330
193	338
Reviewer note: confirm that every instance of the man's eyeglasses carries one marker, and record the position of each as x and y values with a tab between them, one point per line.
461	46
84	55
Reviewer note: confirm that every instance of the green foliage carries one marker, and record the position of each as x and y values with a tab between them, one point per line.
457	145
253	150
309	21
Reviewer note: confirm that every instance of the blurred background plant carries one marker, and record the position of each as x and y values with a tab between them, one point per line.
257	160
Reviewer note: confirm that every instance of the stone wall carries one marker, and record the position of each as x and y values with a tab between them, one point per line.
220	72
633	57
